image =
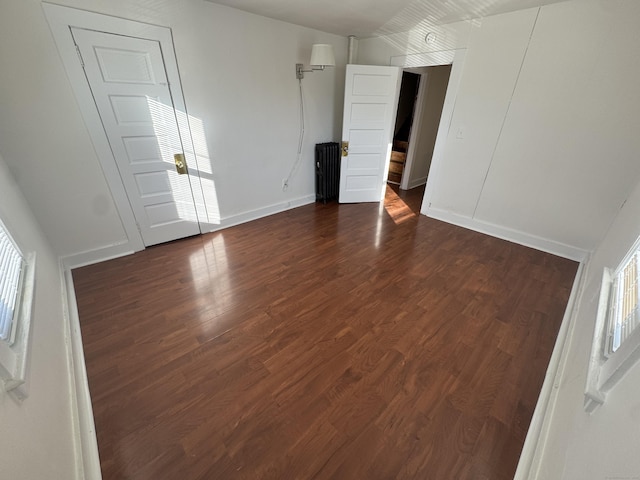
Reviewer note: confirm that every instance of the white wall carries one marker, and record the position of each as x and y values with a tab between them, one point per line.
238	77
380	50
43	139
604	444
549	120
550	117
37	438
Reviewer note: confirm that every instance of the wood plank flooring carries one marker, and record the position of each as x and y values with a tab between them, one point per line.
326	342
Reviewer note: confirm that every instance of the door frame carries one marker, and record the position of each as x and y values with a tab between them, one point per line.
416	124
61	19
455	58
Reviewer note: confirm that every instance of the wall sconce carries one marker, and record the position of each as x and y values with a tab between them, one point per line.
321	56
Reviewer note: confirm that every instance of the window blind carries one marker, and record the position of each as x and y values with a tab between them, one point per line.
625	314
11	264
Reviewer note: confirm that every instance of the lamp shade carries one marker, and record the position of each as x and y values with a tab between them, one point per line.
322	55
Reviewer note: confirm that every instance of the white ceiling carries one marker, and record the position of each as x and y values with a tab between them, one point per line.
372	18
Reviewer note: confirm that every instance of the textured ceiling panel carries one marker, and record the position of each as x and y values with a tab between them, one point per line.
373	18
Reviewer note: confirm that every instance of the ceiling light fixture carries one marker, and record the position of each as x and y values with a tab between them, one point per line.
321	56
430	38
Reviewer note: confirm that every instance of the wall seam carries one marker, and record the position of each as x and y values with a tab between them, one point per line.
504	120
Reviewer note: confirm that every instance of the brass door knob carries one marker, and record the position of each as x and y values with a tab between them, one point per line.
181	163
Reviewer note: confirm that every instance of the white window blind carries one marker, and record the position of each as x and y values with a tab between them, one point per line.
624	315
11	265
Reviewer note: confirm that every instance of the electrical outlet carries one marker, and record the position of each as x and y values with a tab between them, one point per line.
285	184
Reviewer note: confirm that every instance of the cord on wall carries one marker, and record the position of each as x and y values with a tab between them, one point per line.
294	168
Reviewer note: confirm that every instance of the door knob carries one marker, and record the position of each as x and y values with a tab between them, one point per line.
345	149
181	163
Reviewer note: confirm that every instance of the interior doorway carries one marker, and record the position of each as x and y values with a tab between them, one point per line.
420	106
402	130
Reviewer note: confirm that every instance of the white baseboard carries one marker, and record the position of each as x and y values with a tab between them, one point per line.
262	212
417	182
121	249
516	236
86	443
538	433
87	455
85	440
533	449
101	254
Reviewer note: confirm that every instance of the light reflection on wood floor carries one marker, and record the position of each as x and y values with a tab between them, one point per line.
328	341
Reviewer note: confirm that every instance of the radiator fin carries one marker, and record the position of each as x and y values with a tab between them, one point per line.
327	171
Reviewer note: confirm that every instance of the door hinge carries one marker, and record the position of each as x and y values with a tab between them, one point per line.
138	227
80	56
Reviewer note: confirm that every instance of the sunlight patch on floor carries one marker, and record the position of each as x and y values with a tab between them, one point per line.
397	209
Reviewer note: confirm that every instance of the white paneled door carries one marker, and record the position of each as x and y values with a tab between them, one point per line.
370	105
129	84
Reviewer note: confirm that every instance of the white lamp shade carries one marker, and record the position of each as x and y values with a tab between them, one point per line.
322	55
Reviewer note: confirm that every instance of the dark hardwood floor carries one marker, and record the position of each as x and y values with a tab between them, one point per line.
344	342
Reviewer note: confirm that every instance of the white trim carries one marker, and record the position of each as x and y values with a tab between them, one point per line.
437	159
425	59
260	213
85	441
86	444
416	127
61	19
455	58
100	254
14	359
516	236
110	252
619	363
604	371
538	433
593	396
416	182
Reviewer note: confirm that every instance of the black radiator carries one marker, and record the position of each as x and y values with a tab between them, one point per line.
327	171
